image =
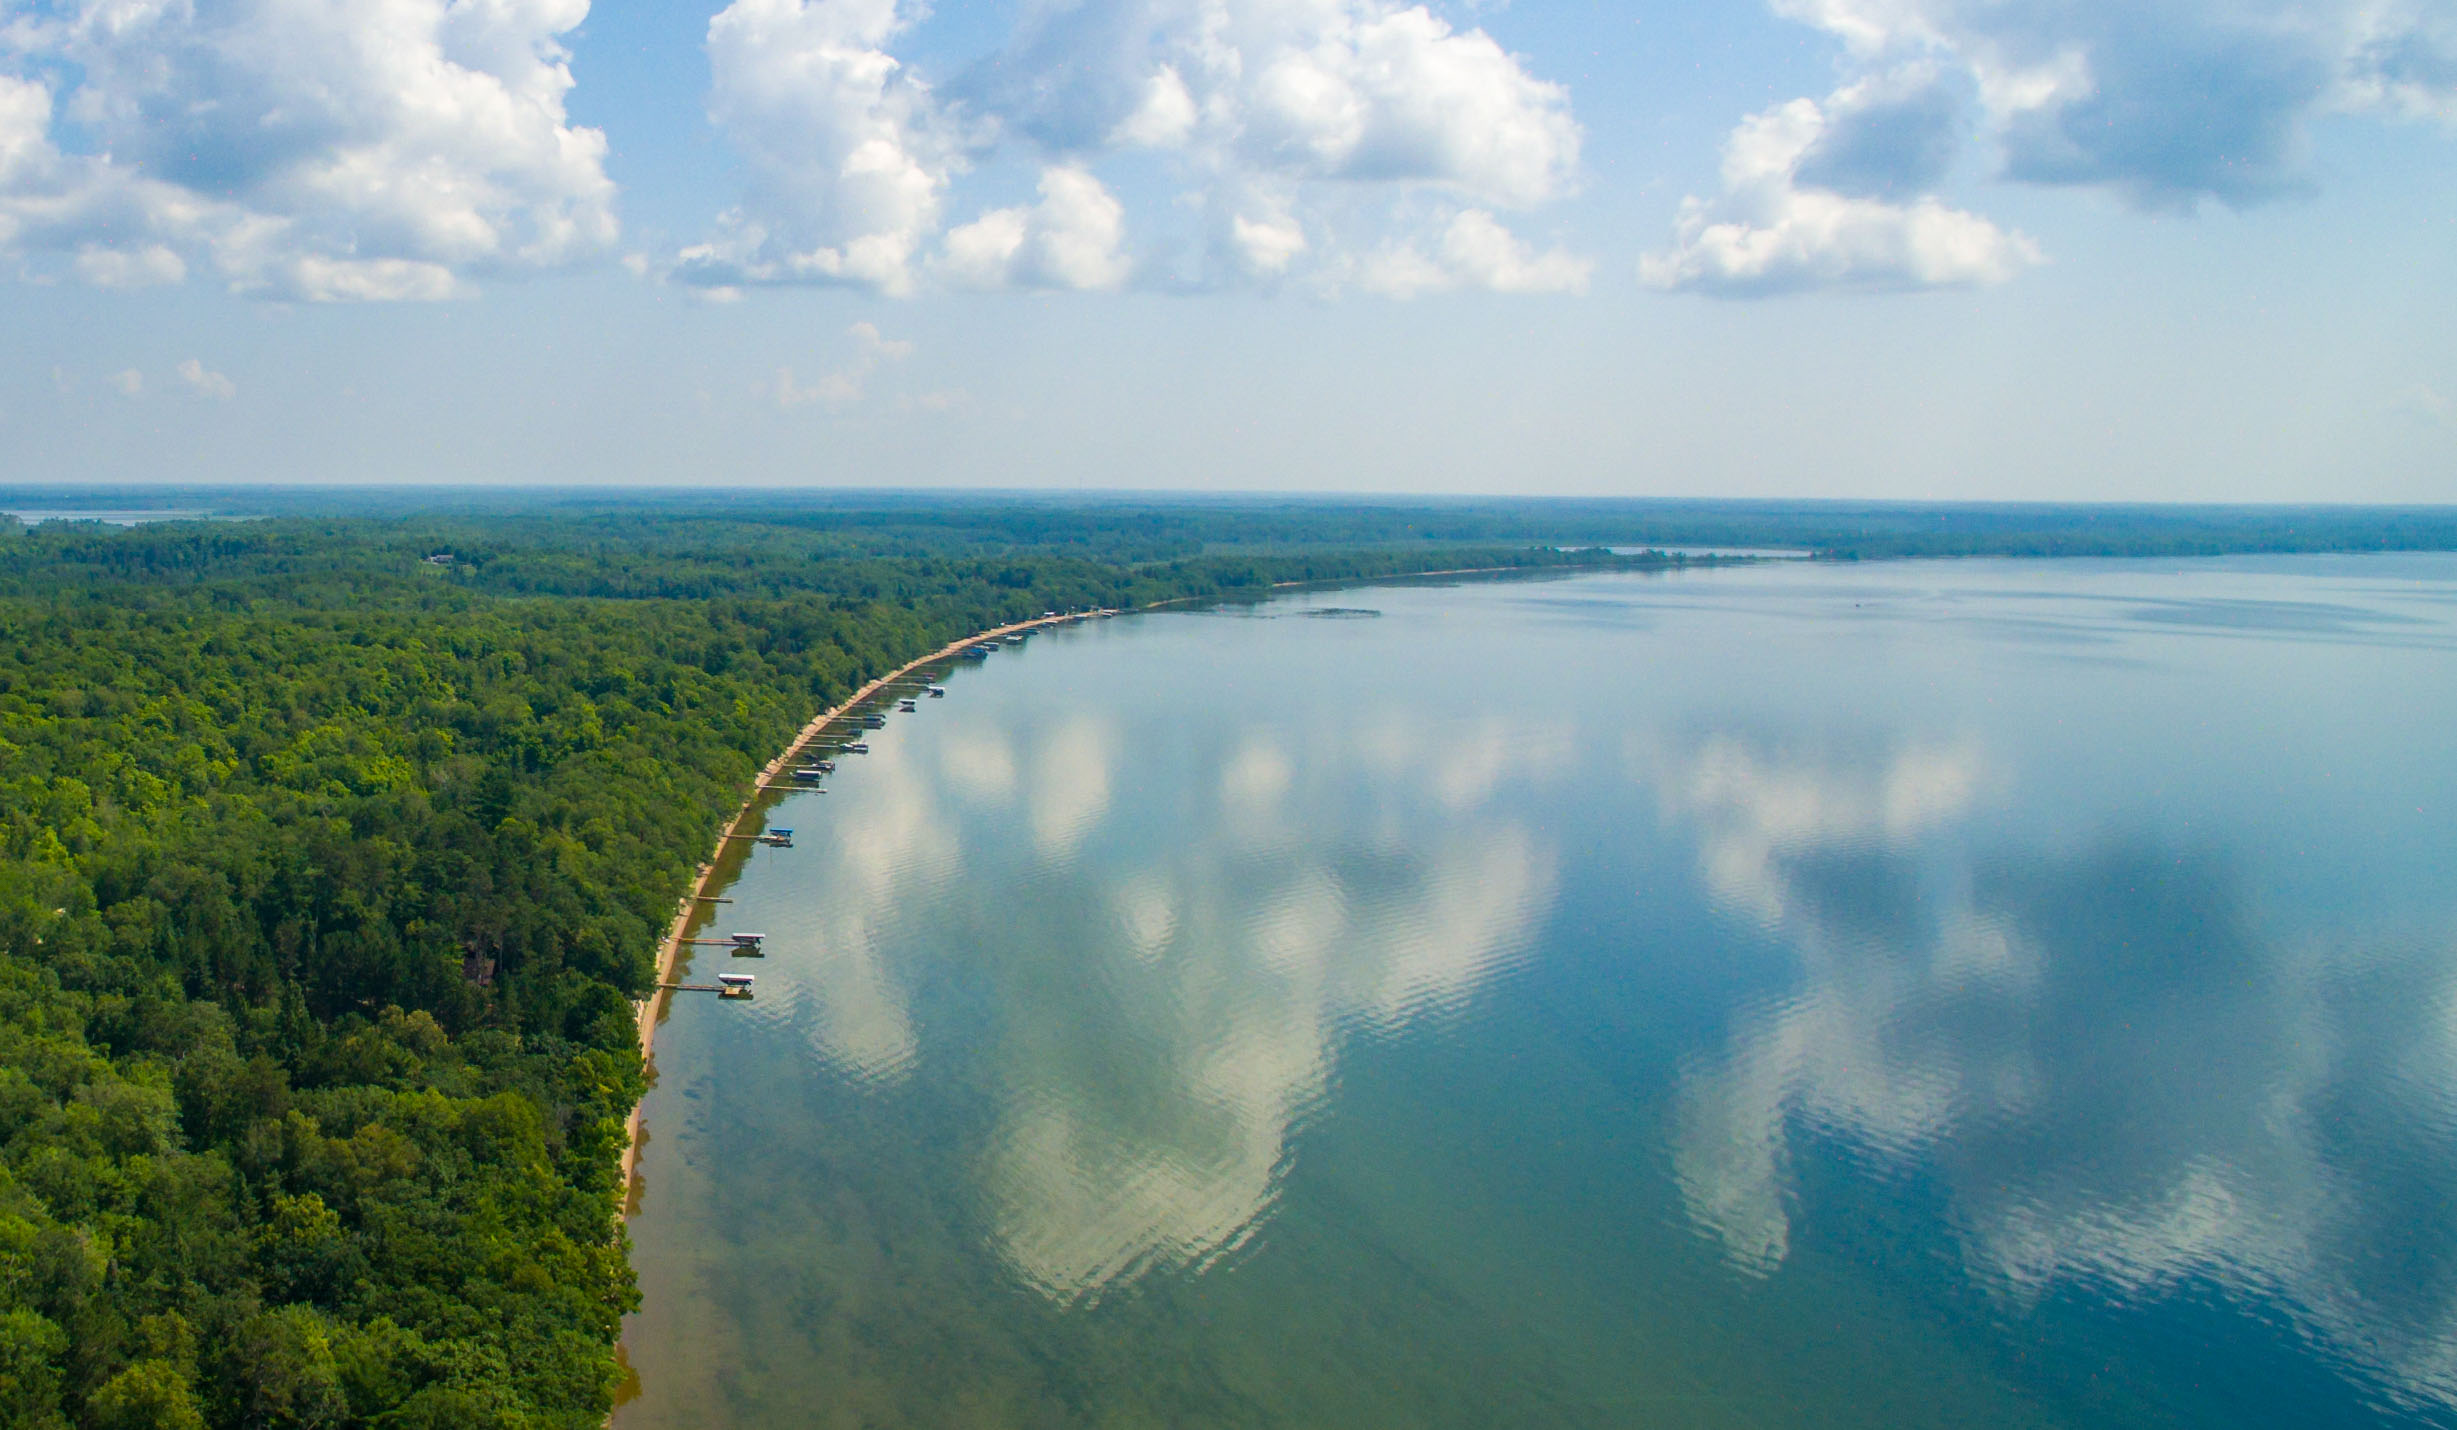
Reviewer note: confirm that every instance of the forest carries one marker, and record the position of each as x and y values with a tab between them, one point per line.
329	874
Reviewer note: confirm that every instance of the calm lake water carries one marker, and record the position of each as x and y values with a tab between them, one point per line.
1935	994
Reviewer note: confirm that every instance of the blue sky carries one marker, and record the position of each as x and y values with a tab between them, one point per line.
2159	250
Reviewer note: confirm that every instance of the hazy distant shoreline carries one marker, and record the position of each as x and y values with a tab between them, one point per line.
1184	526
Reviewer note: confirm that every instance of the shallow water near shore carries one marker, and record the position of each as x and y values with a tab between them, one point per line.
1923	994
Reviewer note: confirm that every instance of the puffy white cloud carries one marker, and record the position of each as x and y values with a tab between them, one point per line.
1771	231
850	154
1286	120
25	119
385	280
387	149
2403	59
1267	243
1356	92
2169	102
1474	251
1068	240
205	382
1165	119
129	268
129	382
1352	90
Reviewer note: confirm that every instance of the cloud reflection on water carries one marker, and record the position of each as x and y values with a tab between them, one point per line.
845	996
1069	786
1169	1015
2118	1078
1228	970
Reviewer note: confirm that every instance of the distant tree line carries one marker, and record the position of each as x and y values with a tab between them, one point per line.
1138	530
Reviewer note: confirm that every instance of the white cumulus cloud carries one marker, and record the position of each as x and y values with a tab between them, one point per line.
2168	105
384	149
129	268
1345	90
1771	232
1474	251
205	382
1296	128
850	154
1356	92
1067	240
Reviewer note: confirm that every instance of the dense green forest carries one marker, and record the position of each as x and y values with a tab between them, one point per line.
327	878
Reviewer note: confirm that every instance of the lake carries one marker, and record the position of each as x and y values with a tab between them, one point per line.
1910	994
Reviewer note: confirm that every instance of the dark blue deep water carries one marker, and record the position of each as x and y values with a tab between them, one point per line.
1937	994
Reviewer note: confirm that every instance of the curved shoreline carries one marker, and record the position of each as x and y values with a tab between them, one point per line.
649	1011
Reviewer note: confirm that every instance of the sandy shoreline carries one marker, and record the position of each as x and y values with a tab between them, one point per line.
669	953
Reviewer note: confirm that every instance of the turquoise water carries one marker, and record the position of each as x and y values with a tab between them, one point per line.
1925	994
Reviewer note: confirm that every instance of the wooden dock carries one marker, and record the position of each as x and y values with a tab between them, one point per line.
718	989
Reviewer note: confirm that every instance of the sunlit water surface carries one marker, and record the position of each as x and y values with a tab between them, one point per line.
1934	994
